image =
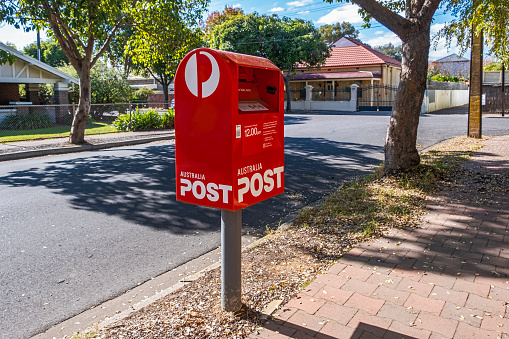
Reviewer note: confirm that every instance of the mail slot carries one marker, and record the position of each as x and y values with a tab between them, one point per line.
229	129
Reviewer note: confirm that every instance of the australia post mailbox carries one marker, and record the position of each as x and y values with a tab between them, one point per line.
229	129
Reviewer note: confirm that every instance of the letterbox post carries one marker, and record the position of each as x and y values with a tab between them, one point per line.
229	149
231	280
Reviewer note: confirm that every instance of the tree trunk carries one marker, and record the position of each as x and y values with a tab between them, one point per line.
79	121
400	146
288	97
165	93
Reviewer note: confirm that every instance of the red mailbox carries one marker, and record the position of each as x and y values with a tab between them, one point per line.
229	129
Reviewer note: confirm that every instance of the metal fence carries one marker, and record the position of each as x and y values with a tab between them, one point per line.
35	119
338	94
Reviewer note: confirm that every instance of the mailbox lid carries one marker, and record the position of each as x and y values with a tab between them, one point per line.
248	60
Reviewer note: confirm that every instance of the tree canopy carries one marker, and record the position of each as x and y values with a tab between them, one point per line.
489	16
286	42
51	53
216	18
389	49
84	30
332	33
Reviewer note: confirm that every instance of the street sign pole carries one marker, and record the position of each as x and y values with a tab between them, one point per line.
231	284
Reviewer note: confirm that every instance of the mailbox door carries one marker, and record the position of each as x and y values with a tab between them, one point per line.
204	130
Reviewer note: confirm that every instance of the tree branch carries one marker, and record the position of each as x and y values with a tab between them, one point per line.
107	42
385	16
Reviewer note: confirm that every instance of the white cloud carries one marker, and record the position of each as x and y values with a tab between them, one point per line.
236	6
276	9
299	3
436	27
303	12
379	32
383	39
343	13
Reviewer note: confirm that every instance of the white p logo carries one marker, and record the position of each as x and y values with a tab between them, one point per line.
191	75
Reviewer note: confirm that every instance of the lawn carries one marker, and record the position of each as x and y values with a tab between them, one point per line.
52	132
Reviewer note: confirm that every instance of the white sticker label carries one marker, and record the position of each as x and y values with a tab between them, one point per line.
238	132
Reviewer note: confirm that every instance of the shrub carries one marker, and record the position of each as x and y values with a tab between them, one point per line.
69	117
26	121
141	94
140	120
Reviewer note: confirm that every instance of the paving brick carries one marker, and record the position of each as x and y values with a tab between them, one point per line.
274	330
400	259
459	273
466	331
490	251
495	323
415	287
435	335
353	260
485	304
441	293
498	293
462	314
467	256
356	251
333	329
362	302
424	304
438	280
390	294
332	311
303	321
377	265
369	323
399	313
302	335
331	280
497	261
358	286
357	273
478	268
404	272
334	294
445	327
312	288
284	313
398	330
471	287
493	280
381	279
306	303
462	244
336	268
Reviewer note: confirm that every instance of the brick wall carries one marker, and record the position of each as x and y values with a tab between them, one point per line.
8	92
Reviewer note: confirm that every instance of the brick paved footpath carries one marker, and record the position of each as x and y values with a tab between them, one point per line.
449	278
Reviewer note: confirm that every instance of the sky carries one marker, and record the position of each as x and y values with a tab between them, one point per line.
316	11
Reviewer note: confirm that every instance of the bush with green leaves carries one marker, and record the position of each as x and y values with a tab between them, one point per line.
141	94
145	120
26	121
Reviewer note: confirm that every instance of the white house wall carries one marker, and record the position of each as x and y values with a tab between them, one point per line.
21	72
435	100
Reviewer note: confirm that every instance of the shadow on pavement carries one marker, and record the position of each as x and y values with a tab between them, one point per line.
140	187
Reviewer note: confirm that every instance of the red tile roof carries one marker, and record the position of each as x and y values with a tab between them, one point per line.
337	75
359	55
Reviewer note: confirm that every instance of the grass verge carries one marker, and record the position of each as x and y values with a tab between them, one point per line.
52	132
286	260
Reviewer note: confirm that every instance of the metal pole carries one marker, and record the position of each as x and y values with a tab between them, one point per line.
231	284
38	45
503	88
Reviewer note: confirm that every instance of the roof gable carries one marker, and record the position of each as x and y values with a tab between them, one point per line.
351	52
452	58
31	62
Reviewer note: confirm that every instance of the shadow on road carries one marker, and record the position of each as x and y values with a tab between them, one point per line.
140	187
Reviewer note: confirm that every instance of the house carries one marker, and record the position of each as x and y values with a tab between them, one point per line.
453	65
32	72
351	62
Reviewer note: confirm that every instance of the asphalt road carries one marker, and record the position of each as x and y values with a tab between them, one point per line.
79	229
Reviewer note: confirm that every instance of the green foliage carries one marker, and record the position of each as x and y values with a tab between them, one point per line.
332	33
141	94
284	41
108	85
445	78
46	93
395	52
6	57
25	121
51	53
145	120
493	66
